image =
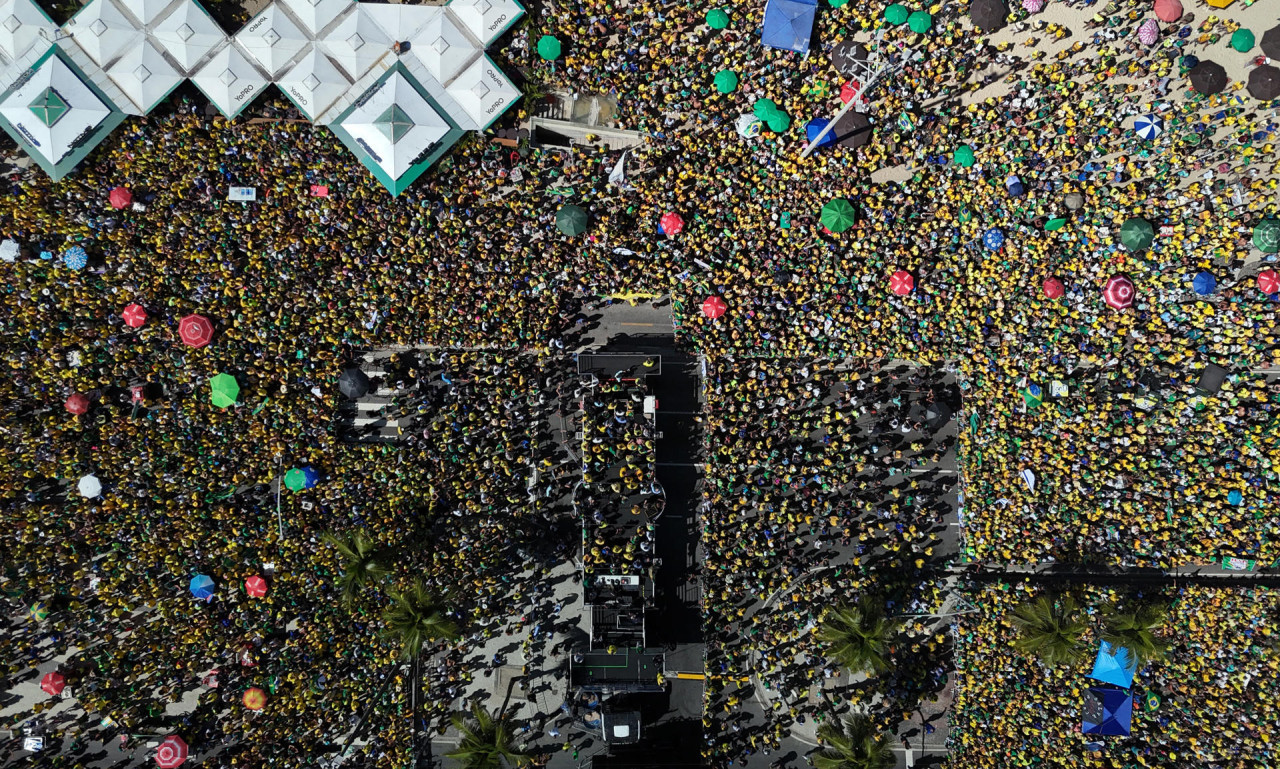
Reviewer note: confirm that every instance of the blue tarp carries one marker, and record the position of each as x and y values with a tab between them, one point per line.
1107	712
788	24
1114	666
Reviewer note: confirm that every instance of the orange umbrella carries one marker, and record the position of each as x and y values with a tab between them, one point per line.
255	698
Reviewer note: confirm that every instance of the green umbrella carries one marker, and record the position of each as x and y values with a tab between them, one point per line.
896	14
963	155
549	48
1242	40
838	215
838	3
295	479
1054	225
779	122
726	81
1266	236
763	108
225	389
920	22
1136	234
571	220
717	19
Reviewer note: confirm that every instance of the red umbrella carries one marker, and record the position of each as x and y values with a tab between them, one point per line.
1269	281
254	699
134	315
53	683
850	88
120	197
1119	292
195	330
1053	288
901	282
1168	11
714	307
171	753
77	404
672	223
255	586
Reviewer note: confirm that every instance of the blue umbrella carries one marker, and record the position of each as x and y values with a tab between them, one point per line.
75	258
815	127
993	239
1235	497
202	586
1204	283
1014	185
46	255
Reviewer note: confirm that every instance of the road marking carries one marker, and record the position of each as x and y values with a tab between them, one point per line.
649	325
691	676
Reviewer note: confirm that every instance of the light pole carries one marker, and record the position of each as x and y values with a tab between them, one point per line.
868	73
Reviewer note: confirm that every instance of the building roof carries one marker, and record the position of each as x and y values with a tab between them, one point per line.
230	80
483	92
188	34
273	39
103	31
22	25
486	20
56	113
313	83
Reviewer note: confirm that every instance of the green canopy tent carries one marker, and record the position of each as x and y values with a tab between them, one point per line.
549	48
896	14
838	215
726	81
717	19
920	22
964	156
1266	236
223	390
1136	234
571	220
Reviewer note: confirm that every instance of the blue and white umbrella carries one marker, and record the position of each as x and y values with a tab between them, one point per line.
75	257
993	239
202	586
1148	126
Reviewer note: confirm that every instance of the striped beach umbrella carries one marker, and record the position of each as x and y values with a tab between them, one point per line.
76	258
1148	126
171	753
1119	292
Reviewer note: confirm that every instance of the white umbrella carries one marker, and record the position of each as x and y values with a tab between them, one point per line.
9	250
90	486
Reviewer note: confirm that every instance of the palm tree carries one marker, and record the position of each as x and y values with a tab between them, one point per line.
417	617
1050	629
1135	631
859	636
854	743
363	562
486	741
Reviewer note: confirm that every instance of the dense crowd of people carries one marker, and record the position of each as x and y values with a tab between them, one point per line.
1083	434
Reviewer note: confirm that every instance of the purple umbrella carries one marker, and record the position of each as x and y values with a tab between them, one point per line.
1032	6
1149	32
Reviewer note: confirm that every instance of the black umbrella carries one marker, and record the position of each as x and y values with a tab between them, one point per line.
353	383
1264	83
845	54
1208	77
1270	44
938	415
988	15
852	130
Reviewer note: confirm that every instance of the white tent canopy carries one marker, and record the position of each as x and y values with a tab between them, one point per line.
485	19
145	76
314	83
357	42
395	124
400	22
483	92
230	80
272	39
21	24
315	15
53	108
9	250
89	486
145	11
103	31
443	48
187	34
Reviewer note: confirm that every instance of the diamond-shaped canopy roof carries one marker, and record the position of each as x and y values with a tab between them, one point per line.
144	11
187	34
483	92
21	22
49	107
314	83
103	31
315	15
485	19
144	75
230	80
272	39
443	48
356	42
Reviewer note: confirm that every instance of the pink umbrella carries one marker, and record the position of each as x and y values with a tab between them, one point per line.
901	282
1168	11
1149	32
1032	6
171	753
1053	288
53	683
120	197
1119	292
